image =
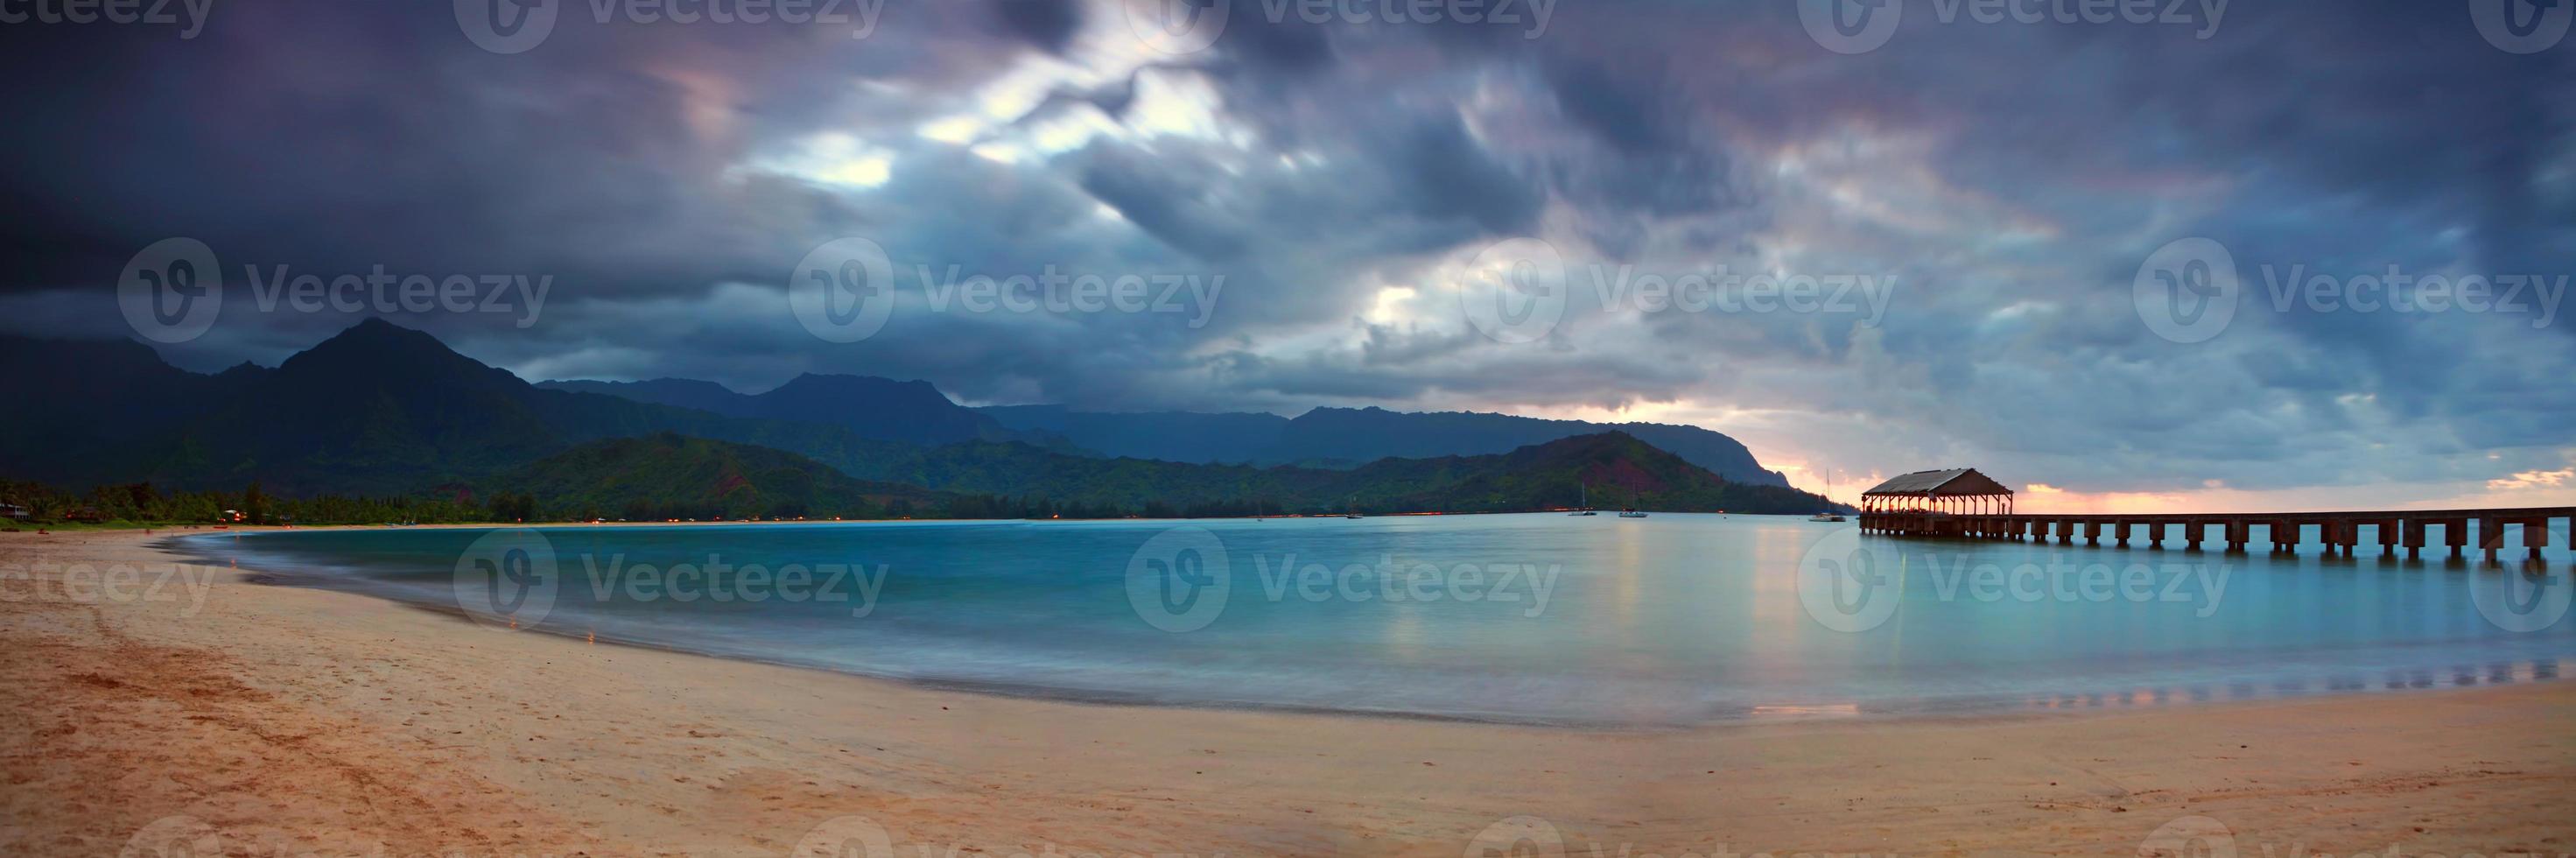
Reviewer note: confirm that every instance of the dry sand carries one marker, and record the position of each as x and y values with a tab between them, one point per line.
277	721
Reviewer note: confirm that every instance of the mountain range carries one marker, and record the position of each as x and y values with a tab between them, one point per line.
1348	437
383	410
917	413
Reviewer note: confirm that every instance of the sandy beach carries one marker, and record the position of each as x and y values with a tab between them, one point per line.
197	711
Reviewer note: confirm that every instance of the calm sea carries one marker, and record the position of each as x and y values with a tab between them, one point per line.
1665	621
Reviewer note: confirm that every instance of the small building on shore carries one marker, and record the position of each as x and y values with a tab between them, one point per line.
1957	491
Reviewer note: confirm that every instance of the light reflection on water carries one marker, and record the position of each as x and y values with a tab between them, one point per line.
1670	620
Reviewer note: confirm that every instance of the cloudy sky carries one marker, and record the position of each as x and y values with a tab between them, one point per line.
1931	237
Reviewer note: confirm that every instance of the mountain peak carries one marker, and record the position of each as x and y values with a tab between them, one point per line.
381	349
378	333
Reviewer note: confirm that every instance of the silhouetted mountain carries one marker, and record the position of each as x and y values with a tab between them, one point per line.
375	409
1345	437
1172	436
681	392
1541	476
909	411
384	410
665	475
80	403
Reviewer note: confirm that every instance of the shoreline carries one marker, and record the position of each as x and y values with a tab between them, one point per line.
1958	708
305	715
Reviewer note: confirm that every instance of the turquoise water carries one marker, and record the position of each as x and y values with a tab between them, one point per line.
1665	621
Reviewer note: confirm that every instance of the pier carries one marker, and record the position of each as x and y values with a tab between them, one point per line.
1963	504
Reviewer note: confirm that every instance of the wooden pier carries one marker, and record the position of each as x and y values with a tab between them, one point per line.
1963	504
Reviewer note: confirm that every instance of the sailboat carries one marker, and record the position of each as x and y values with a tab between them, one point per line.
1827	515
1586	507
1631	511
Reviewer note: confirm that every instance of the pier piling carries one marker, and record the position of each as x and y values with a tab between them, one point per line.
2340	533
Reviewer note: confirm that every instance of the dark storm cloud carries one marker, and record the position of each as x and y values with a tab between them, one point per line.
1048	24
2009	178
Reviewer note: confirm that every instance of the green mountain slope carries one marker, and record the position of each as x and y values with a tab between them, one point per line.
666	476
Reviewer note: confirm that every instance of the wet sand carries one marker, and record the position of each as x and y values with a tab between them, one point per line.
270	720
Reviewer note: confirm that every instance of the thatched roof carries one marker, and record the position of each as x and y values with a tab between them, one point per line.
1952	482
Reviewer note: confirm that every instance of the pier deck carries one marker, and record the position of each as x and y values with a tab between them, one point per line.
2413	530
